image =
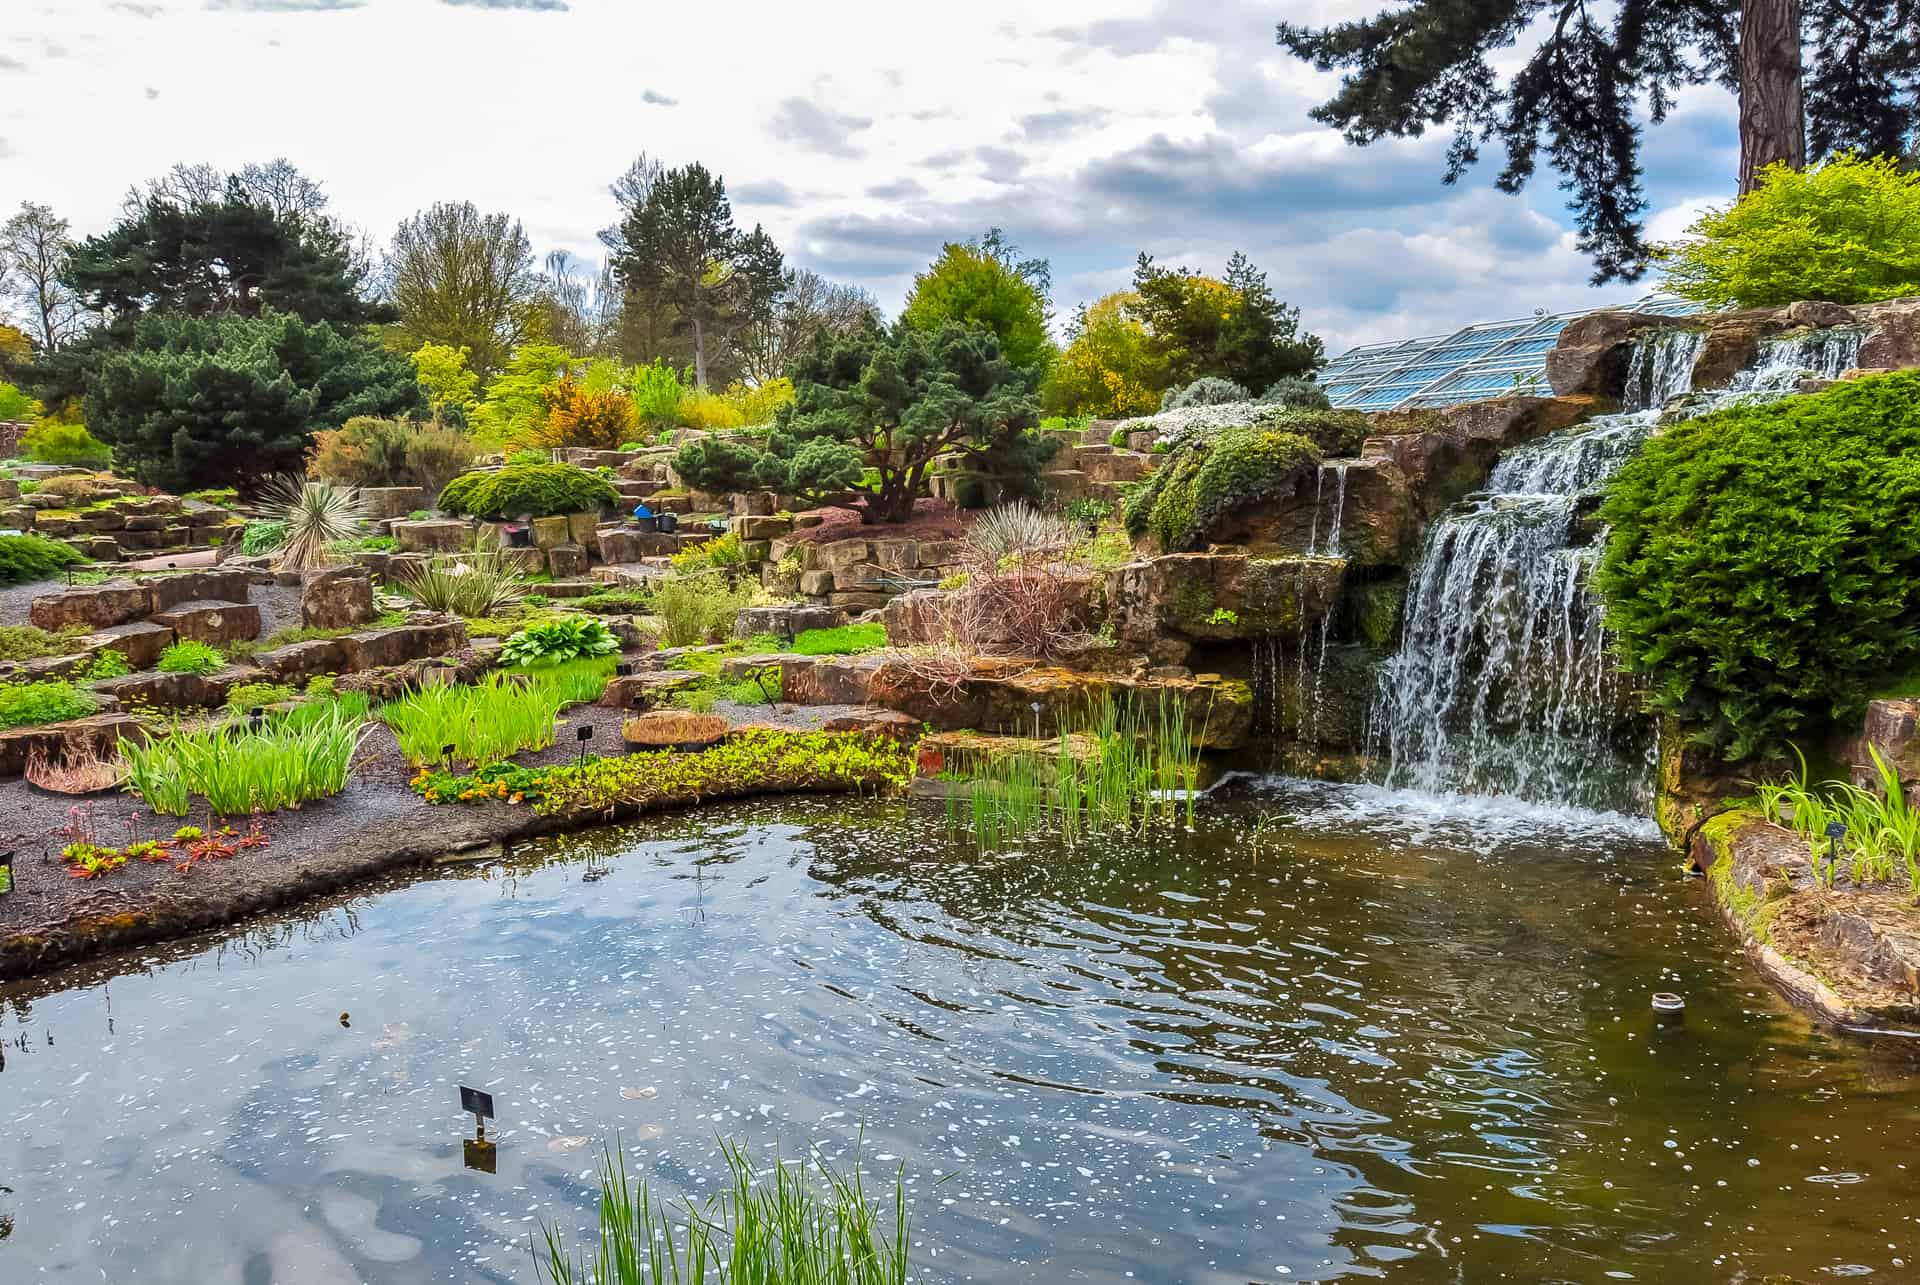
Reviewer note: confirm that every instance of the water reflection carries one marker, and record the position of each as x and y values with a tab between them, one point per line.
1363	1053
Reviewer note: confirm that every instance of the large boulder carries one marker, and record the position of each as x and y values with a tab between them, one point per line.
1893	335
433	535
384	503
374	648
1218	596
298	662
1447	452
177	691
97	606
140	641
786	620
213	623
1590	357
336	598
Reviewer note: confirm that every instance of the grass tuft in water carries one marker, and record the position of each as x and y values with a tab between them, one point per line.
795	1224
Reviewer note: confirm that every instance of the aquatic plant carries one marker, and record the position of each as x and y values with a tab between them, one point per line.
761	761
240	769
1116	765
791	1224
1880	830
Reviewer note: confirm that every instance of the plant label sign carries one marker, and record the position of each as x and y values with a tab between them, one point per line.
474	1102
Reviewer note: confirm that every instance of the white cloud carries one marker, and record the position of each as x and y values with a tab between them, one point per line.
1089	129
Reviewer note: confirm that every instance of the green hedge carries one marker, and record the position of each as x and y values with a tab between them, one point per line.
1764	565
1204	481
539	490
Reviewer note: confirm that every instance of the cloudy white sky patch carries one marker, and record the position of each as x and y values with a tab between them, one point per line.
862	134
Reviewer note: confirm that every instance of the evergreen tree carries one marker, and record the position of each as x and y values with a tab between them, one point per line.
1819	75
1233	329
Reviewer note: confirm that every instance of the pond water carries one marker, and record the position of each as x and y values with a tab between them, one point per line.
1392	1039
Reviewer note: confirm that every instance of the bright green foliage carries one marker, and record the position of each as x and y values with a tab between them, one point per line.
699	608
845	640
716	554
887	402
190	657
618	602
242	696
536	490
1205	480
517	399
1232	328
561	639
239	770
33	557
108	663
31	704
500	715
16	405
50	442
1763	563
1846	231
656	391
980	283
776	1224
262	536
441	371
30	642
192	402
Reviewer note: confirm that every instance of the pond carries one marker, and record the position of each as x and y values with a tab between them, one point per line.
1332	1033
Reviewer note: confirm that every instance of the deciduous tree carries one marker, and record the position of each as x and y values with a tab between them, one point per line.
810	306
1109	367
1233	328
34	244
1590	73
465	279
985	283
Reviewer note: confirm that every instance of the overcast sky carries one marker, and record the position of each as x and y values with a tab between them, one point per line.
862	134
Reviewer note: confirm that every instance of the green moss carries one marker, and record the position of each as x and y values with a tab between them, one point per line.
1376	607
1336	434
1192	600
1206	480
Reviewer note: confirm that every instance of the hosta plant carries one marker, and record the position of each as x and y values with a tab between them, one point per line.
560	639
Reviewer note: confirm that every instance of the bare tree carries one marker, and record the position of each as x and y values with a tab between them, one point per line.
810	307
33	249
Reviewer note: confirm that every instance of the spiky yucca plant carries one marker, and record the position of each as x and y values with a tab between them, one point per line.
317	515
1016	530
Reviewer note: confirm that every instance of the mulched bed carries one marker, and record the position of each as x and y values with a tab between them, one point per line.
932	520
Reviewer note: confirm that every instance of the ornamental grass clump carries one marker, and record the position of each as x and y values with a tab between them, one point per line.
699	608
241	769
789	1224
477	586
502	714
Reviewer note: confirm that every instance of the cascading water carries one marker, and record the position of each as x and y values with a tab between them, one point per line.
1503	683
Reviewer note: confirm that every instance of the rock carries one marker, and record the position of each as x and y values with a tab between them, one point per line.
99	733
550	531
213	623
140	641
903	728
98	606
816	584
1731	344
387	502
375	648
433	535
645	689
627	544
832	555
102	548
336	597
298	662
1590	357
1220	595
1448	452
801	521
1892	728
1819	314
736	668
583	530
1893	335
177	691
785	621
751	503
756	527
858	600
565	560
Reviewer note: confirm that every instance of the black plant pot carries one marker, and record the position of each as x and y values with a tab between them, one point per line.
647	524
669	523
518	537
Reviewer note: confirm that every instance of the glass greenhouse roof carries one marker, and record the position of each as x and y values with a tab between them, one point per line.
1472	363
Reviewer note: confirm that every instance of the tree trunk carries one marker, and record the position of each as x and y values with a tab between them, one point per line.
699	352
1773	125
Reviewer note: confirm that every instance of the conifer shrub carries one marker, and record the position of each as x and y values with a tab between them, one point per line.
538	490
1763	567
33	557
1205	480
1208	390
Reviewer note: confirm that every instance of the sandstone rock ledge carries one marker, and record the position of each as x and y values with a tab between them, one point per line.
1847	956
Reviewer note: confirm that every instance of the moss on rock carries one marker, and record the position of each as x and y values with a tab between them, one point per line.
1205	481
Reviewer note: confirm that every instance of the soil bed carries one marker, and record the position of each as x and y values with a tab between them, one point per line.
932	520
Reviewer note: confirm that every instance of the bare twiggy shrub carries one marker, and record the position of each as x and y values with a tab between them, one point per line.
81	772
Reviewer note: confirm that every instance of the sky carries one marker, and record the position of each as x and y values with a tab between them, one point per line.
861	134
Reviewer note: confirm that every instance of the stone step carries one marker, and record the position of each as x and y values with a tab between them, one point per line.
211	621
569	588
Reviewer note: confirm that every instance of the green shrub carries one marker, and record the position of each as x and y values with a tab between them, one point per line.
32	557
1294	392
699	608
845	640
1204	481
561	639
618	602
1764	564
52	443
1336	434
536	490
1846	231
1208	390
190	657
108	664
715	554
242	696
51	701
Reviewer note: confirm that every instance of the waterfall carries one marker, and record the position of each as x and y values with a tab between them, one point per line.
1339	510
1503	683
1661	368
